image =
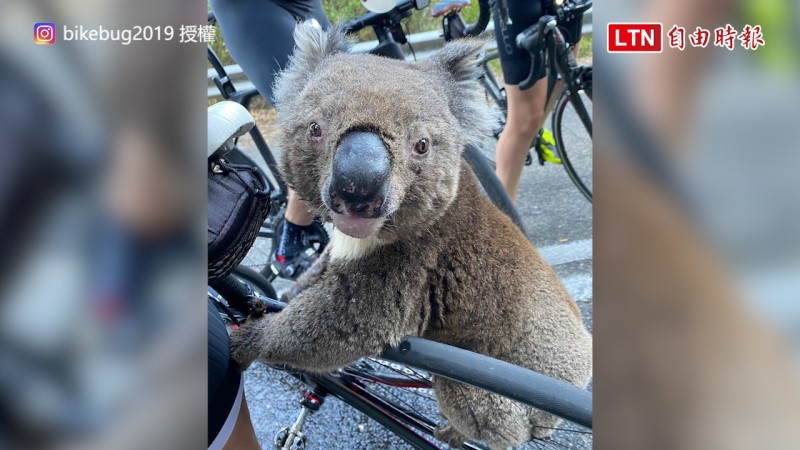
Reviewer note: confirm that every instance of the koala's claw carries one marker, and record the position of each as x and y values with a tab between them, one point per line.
257	307
450	435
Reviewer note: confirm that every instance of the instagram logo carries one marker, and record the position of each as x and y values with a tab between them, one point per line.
44	33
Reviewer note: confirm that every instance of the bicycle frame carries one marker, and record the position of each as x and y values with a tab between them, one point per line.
401	423
558	54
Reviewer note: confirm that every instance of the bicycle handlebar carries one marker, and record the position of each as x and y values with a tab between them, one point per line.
483	19
569	8
533	38
372	19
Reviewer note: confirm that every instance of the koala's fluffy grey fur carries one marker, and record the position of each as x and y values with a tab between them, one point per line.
445	265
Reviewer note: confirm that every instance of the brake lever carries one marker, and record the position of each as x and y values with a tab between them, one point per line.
537	72
532	40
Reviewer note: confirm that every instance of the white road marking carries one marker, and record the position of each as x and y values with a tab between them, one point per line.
579	286
567	253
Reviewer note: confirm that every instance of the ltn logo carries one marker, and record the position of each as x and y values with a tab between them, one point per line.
634	37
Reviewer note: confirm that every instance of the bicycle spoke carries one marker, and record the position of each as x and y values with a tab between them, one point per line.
414	391
548	443
419	376
410	408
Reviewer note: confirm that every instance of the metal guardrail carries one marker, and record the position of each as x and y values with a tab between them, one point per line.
424	44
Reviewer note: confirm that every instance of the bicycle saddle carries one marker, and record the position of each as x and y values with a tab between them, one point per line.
226	121
445	6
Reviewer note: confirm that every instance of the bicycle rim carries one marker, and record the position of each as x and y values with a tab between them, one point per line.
571	134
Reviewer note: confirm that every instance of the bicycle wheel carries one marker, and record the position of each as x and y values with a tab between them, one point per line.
408	392
573	140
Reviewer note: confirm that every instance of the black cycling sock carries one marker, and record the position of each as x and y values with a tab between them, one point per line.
291	241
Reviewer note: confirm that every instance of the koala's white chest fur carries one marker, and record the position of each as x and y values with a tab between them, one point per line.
344	247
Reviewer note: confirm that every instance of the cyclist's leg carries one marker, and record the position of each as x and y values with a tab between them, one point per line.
525	117
511	166
525	108
290	252
296	211
243	436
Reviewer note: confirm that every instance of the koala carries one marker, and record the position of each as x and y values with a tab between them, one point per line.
374	145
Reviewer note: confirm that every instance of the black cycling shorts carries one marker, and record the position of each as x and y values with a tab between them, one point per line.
225	390
516	62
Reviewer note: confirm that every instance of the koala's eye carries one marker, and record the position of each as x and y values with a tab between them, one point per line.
422	146
314	130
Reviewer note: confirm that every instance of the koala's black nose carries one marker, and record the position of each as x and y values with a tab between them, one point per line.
360	174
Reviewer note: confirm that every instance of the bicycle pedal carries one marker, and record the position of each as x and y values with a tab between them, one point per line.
547	154
528	159
281	438
298	440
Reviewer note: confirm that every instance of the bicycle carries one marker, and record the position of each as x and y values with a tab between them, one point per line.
552	58
376	386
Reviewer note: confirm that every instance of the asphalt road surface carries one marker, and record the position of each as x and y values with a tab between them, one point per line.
559	221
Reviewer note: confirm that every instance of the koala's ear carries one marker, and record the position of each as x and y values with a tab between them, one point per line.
459	59
312	46
458	62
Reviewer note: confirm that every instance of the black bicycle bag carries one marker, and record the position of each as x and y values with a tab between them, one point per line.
238	203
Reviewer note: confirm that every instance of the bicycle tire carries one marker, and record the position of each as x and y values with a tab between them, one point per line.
491	184
257	281
557	397
562	104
